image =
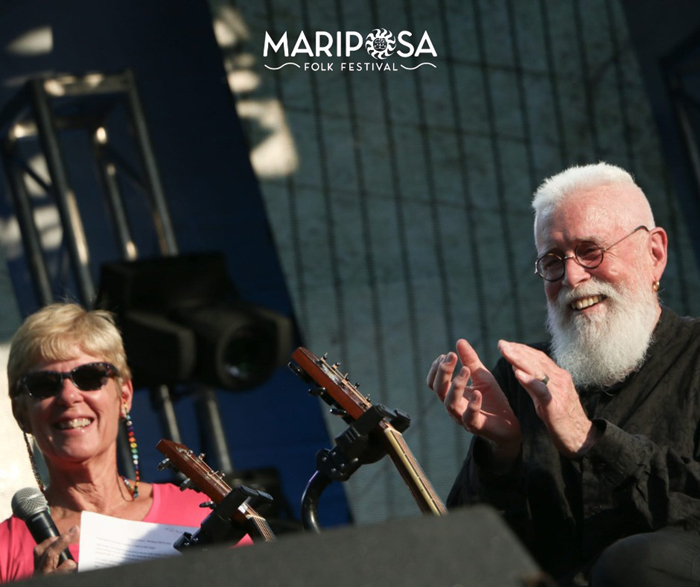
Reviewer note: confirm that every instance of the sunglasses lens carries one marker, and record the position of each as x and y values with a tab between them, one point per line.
43	384
90	377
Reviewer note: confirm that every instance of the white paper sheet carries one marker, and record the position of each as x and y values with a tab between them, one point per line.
106	541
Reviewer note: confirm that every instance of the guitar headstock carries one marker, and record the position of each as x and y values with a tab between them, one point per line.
334	387
203	478
200	476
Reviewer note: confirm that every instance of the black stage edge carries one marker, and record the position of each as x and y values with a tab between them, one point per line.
470	546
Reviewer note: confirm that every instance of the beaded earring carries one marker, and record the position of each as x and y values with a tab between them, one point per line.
32	461
134	454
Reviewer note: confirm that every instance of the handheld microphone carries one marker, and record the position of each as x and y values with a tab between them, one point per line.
30	505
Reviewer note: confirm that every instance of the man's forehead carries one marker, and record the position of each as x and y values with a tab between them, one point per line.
592	215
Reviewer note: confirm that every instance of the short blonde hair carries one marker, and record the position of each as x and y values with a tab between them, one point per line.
52	333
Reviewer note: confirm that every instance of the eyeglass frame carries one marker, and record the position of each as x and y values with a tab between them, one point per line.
565	258
112	373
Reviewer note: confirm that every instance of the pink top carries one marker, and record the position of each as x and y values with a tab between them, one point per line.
170	506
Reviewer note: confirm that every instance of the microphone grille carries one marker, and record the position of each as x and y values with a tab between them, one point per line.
27	502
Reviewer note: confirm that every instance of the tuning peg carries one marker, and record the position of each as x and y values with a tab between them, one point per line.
338	412
165	464
318	390
201	456
336	365
187	484
357	385
207	504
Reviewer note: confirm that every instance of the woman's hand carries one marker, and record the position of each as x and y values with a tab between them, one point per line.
47	553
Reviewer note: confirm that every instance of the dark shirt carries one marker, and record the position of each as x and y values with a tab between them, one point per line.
642	474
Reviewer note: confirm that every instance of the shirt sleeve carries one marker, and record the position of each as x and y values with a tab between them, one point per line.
480	482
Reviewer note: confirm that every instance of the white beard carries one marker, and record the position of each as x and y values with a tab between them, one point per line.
602	350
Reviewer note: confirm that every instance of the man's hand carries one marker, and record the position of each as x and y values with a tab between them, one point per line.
557	402
46	553
481	407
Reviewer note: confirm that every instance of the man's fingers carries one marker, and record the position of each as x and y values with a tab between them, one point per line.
444	368
534	386
430	380
472	411
521	356
481	376
468	355
454	401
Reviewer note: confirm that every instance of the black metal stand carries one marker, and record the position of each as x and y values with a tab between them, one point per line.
219	526
359	444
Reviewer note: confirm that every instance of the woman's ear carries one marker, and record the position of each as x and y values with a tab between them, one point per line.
19	411
127	394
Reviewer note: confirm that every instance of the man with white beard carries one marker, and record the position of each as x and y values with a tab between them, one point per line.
589	445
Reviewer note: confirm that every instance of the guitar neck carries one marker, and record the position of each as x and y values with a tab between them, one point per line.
420	487
212	484
258	523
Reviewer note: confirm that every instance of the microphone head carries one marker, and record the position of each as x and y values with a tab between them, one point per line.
28	502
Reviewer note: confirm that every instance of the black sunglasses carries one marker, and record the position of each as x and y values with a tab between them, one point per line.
88	377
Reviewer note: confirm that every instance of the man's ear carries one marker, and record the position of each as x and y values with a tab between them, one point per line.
658	247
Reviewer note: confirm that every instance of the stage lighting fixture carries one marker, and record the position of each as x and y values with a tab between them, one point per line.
182	321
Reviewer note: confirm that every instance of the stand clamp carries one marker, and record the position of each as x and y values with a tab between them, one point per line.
219	526
359	444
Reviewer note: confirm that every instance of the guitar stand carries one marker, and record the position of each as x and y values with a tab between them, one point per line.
358	445
219	526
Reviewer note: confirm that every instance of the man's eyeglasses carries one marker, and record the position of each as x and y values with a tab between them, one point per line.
551	267
88	377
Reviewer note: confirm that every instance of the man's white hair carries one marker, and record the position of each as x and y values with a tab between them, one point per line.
580	178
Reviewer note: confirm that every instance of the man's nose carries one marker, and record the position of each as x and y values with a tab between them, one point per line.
574	273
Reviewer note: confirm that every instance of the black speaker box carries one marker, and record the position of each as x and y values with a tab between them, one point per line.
468	547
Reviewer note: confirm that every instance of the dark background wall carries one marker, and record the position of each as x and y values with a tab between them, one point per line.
402	213
390	214
667	45
211	191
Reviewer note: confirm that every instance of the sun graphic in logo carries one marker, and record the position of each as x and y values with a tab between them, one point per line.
380	43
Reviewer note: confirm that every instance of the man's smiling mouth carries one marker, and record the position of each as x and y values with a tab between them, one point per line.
587	302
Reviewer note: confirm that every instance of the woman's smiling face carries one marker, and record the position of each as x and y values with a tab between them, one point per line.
76	426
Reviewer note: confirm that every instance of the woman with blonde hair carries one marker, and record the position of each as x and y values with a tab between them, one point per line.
71	387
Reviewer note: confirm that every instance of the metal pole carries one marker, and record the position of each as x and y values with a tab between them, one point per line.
161	215
213	430
115	201
161	400
25	218
65	198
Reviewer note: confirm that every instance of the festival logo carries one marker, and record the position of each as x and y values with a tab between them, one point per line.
380	43
326	51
